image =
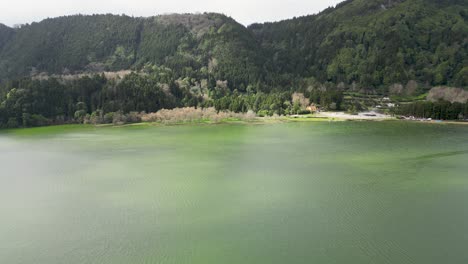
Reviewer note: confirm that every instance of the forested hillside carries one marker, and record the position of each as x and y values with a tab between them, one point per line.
374	43
53	71
191	45
6	34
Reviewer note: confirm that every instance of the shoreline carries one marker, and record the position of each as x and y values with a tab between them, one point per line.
321	117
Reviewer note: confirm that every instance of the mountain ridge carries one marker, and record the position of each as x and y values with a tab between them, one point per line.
369	43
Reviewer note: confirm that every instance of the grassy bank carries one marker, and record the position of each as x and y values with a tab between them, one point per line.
55	129
58	129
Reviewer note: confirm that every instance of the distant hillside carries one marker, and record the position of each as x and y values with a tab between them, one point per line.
107	42
374	43
6	34
369	43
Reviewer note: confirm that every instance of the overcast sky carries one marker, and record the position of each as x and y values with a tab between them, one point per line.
244	11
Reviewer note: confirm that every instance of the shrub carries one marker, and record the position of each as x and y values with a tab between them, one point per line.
80	115
97	117
12	123
108	118
119	118
263	113
192	114
39	120
133	117
304	112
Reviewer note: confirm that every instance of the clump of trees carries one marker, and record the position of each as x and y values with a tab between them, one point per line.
440	110
192	114
449	94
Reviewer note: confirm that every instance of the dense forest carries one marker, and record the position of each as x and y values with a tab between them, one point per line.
435	110
63	69
373	43
56	101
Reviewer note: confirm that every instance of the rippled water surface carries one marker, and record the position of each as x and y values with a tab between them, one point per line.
346	192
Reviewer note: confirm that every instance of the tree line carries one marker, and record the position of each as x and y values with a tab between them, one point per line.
31	102
441	110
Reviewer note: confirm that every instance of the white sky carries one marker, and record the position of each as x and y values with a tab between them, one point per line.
244	11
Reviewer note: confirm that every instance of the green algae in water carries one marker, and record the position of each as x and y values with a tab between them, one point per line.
347	192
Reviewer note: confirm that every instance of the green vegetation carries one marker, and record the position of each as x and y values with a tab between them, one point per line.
435	110
345	58
97	99
5	35
373	44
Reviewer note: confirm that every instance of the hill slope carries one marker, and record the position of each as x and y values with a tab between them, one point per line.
108	43
6	34
373	43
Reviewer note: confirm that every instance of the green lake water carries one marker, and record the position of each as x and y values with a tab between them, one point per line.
344	192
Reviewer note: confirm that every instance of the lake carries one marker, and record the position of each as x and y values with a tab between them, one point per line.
318	192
